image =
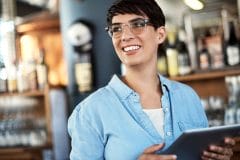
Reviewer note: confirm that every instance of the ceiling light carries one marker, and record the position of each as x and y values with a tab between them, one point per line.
194	4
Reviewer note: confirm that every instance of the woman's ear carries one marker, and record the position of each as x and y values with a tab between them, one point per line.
161	34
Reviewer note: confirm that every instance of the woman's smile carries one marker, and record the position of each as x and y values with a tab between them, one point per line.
131	49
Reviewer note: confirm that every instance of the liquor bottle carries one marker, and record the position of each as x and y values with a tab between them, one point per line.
183	56
22	81
83	72
32	74
213	42
238	99
12	78
231	109
172	55
232	47
3	78
41	69
204	60
162	60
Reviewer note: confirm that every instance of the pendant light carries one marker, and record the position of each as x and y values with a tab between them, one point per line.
194	4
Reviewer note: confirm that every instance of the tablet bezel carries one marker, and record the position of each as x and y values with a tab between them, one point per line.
191	143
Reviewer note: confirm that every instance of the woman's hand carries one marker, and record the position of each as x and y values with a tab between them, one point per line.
220	152
150	154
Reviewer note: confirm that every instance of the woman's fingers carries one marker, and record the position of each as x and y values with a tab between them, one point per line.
214	156
150	154
154	148
229	141
157	157
221	150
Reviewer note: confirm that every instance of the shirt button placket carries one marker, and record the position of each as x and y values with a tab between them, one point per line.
136	98
169	133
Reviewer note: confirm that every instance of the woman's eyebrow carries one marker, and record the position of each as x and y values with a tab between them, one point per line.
131	20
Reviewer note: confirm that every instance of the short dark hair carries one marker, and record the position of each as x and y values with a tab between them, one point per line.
148	8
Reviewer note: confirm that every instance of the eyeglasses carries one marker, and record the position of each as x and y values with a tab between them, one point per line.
136	26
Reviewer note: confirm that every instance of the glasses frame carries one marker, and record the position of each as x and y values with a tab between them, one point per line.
130	25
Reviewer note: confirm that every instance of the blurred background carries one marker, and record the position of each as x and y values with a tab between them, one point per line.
54	53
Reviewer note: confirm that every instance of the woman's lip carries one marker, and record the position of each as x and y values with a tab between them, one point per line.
131	52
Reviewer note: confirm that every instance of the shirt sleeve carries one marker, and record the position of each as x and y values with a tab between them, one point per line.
86	142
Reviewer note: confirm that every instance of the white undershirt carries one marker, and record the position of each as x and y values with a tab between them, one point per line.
157	118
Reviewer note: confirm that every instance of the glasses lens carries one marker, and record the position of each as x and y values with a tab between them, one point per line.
138	26
116	30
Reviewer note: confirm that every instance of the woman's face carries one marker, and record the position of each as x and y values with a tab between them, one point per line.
136	48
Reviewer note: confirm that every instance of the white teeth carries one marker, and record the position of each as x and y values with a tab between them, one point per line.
130	48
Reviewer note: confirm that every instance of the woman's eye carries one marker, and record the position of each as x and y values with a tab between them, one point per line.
138	24
116	29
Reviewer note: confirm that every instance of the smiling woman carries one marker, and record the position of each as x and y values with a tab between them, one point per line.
114	122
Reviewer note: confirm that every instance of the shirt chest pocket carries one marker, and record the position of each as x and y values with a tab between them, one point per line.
183	126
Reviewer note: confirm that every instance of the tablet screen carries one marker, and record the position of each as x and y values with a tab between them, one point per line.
192	143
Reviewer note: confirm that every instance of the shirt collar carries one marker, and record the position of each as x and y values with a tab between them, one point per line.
120	87
124	91
165	82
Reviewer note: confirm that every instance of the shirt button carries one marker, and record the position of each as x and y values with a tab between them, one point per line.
169	133
166	109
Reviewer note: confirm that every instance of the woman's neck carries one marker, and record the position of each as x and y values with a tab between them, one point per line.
147	86
141	82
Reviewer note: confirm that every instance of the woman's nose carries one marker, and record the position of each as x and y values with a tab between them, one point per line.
126	33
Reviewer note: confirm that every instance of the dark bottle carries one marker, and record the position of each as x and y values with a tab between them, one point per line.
3	78
172	55
41	68
232	47
204	59
162	59
184	66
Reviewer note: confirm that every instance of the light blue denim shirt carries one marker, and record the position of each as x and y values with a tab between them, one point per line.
110	124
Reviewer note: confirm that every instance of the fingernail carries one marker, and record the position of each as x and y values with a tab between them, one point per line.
212	147
174	157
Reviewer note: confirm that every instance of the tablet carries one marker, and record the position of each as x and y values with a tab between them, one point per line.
190	145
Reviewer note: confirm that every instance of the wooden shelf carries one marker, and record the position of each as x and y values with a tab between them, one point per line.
29	93
34	93
23	153
39	22
8	150
210	74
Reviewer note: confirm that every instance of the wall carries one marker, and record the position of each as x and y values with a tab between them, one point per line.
105	61
173	10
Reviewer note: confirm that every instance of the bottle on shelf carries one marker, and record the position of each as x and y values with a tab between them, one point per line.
162	60
213	41
204	60
172	55
12	78
32	74
3	78
232	56
184	66
232	112
41	69
83	72
22	81
238	99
